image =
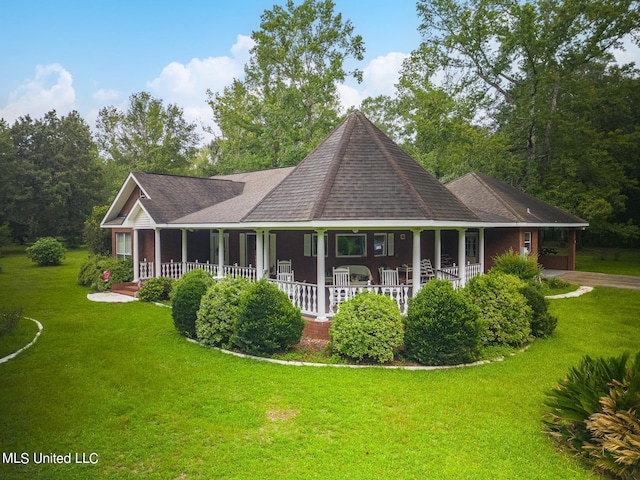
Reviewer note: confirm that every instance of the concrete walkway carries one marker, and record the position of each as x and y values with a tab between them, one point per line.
110	297
592	279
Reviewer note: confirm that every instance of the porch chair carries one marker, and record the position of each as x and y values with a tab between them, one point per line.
426	270
284	271
389	276
341	288
341	277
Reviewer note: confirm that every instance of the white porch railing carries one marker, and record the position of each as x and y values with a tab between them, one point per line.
237	271
302	295
305	295
146	270
177	269
472	270
339	294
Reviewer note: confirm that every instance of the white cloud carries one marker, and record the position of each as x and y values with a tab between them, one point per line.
378	78
186	85
50	89
106	95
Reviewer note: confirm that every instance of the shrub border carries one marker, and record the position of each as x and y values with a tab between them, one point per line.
346	365
18	352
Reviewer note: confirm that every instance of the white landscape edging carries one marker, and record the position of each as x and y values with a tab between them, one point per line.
580	291
15	354
345	365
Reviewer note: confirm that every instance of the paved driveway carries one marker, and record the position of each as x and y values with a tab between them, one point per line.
592	279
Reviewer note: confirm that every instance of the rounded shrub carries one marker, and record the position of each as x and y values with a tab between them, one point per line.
505	315
367	327
442	326
92	272
542	322
219	311
47	251
525	267
185	301
268	322
155	289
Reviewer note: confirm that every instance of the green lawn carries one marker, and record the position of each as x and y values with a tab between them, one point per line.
609	260
117	380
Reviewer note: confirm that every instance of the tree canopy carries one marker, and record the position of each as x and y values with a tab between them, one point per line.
148	137
526	91
51	176
288	100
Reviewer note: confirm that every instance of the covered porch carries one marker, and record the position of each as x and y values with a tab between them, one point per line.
383	261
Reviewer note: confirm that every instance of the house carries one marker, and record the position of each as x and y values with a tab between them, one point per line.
382	221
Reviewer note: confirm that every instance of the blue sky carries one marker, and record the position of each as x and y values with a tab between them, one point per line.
84	55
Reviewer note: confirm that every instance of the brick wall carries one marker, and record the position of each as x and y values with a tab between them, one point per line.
315	329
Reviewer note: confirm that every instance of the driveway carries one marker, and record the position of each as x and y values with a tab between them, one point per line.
592	279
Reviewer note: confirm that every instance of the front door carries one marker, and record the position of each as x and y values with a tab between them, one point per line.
471	247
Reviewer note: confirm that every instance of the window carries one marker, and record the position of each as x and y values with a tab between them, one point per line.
527	242
311	245
123	245
383	245
348	245
471	246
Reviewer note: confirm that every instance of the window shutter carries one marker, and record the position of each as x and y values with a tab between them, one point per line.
390	245
307	244
243	250
272	251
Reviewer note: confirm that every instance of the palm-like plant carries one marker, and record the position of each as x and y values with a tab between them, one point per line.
595	411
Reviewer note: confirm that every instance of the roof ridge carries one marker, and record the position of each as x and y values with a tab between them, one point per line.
399	171
495	195
332	173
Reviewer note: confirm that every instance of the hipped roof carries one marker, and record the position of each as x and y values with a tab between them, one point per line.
167	198
498	202
359	173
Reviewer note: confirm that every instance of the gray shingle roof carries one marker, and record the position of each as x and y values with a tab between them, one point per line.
171	197
358	172
496	201
255	186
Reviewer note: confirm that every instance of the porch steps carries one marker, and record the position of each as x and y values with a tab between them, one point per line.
126	288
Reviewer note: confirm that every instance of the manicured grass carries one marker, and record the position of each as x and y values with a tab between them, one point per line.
609	260
117	380
24	333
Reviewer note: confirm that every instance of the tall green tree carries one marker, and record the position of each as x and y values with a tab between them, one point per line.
288	100
438	130
52	177
529	71
147	137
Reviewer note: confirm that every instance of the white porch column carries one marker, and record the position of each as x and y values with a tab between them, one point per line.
462	257
184	251
136	256
220	251
438	251
415	264
259	254
322	314
157	253
481	250
267	261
